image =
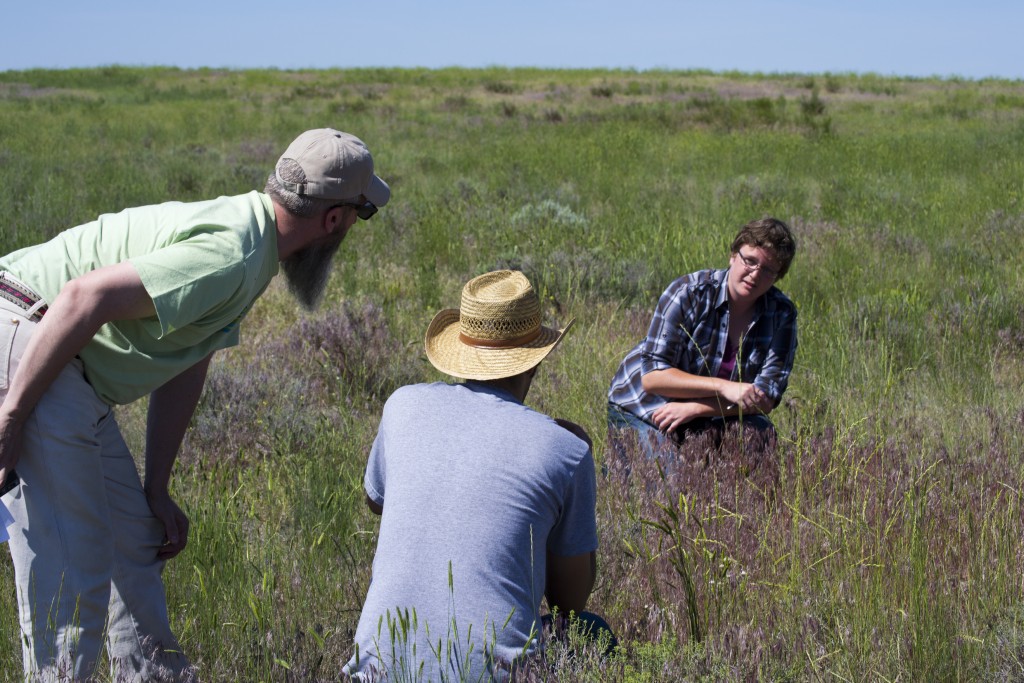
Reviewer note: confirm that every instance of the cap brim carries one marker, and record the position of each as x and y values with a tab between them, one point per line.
451	356
378	193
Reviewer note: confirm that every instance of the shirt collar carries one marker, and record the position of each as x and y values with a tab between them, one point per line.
484	388
721	278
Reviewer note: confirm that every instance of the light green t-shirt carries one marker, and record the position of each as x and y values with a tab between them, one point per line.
203	264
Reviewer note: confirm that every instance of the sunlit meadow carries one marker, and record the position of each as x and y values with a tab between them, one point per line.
883	540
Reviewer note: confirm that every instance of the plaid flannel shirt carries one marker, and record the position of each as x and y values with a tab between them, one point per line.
689	331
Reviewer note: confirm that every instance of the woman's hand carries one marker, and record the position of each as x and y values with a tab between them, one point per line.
746	397
675	414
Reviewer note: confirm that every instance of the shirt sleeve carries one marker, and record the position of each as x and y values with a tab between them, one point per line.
192	280
665	340
575	532
373	481
778	363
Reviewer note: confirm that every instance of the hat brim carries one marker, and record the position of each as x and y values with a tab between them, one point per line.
378	193
450	355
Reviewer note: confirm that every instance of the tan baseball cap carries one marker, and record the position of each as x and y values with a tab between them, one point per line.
337	165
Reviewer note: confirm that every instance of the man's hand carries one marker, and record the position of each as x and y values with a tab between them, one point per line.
170	409
10	445
175	523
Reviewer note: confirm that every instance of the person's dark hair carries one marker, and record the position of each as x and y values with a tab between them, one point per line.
295	204
772	235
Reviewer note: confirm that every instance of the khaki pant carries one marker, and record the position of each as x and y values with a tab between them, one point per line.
84	540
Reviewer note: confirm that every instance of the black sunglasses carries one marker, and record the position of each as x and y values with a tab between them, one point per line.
364	211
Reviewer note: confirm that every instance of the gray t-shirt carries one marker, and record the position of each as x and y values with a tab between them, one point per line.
476	490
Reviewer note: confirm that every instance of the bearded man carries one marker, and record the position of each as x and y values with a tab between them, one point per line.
134	304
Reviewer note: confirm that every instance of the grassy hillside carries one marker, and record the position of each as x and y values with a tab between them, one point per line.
885	541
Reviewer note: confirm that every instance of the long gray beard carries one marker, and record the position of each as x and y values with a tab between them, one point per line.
307	273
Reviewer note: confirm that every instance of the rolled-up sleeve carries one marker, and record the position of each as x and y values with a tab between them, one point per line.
665	338
778	362
575	532
373	481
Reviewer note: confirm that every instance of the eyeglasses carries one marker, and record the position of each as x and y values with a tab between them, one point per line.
364	211
752	265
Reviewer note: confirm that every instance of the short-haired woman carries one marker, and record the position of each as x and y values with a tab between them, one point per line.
719	349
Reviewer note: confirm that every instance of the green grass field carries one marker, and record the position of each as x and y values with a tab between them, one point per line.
886	542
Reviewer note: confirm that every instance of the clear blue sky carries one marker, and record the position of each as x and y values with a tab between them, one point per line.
967	38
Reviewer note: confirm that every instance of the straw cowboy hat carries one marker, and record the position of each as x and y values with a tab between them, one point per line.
496	332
